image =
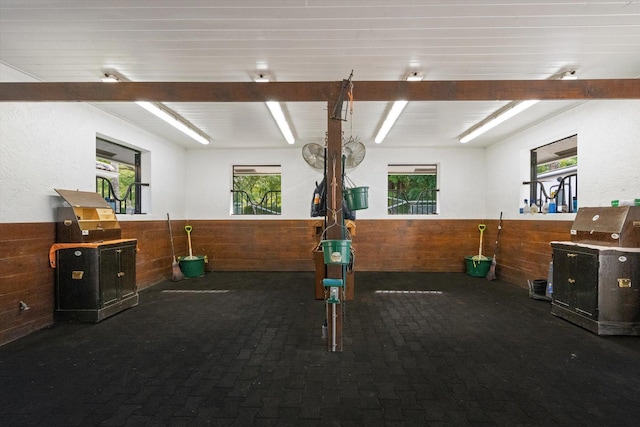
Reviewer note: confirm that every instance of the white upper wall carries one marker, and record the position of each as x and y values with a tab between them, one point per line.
608	156
209	180
45	145
52	145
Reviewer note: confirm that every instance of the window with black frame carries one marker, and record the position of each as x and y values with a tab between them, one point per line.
412	189
554	176
256	190
118	176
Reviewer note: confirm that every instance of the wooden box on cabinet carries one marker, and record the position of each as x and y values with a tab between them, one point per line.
95	281
88	218
597	287
607	226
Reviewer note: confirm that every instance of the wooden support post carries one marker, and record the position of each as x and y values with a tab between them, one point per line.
334	206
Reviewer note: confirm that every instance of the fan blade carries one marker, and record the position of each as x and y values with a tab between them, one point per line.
313	154
354	152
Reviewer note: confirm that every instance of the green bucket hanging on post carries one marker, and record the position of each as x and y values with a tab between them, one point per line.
357	198
336	251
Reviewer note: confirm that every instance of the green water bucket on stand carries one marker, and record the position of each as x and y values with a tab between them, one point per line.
477	267
192	267
357	198
336	251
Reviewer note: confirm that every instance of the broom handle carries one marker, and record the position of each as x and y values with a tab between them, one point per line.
498	236
173	252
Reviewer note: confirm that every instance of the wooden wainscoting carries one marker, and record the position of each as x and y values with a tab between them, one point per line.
254	245
25	275
525	251
429	245
415	245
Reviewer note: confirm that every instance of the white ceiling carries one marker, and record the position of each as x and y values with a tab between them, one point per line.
323	40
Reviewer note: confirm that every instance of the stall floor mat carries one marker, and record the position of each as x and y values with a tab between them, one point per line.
246	349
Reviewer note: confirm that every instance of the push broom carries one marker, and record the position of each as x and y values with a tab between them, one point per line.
491	274
176	273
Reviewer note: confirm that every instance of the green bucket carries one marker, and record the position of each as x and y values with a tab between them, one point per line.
357	198
192	267
477	267
336	251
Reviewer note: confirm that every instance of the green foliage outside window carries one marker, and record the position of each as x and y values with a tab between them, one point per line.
411	185
127	177
257	186
412	193
561	164
257	194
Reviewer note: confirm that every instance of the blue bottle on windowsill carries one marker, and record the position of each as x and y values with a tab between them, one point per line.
525	209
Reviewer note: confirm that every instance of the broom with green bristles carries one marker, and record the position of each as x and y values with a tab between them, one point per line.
491	274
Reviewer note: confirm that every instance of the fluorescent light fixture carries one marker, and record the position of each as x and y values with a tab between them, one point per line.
508	111
110	78
165	113
396	110
394	113
276	109
174	120
281	121
569	75
414	76
494	120
261	78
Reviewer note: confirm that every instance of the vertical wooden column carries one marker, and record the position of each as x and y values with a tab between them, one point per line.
334	271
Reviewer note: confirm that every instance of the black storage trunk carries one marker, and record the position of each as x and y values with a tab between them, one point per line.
596	276
597	287
95	268
93	283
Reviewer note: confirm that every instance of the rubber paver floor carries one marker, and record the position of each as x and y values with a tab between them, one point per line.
246	349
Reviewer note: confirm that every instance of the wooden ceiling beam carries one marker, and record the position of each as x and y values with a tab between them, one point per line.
497	90
476	90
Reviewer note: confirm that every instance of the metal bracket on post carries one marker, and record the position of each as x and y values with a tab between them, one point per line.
334	286
337	109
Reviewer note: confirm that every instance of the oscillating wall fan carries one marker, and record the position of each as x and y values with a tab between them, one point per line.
313	154
354	151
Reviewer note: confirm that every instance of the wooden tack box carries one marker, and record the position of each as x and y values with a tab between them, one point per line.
607	226
88	218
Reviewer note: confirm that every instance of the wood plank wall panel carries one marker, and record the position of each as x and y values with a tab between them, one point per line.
415	245
429	245
25	275
524	248
255	245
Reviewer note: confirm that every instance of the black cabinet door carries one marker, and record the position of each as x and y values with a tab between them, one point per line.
564	265
77	282
109	279
586	285
127	271
620	287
